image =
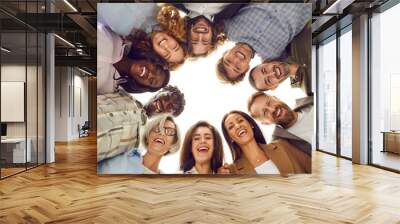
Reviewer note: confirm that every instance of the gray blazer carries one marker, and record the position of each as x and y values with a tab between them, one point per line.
281	133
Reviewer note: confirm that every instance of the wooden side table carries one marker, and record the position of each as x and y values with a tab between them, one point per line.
391	141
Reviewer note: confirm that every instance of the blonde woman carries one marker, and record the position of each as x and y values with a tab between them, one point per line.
160	137
166	37
151	27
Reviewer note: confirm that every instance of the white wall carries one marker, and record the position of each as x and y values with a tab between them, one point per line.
16	73
70	83
81	103
61	103
12	101
33	126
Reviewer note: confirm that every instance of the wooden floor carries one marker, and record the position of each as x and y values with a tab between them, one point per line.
69	191
387	159
10	171
5	172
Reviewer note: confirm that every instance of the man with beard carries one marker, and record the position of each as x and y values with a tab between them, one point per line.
292	125
120	118
270	74
264	29
168	100
202	36
203	25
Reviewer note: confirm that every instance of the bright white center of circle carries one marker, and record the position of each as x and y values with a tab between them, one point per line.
207	98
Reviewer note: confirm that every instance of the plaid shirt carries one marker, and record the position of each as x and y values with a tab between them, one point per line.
268	27
119	119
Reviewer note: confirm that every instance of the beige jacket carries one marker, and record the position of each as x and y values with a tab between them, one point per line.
286	157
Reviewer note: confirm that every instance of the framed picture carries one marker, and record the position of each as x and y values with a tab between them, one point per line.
215	89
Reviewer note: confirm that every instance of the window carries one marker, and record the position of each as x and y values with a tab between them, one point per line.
385	89
346	92
327	96
22	75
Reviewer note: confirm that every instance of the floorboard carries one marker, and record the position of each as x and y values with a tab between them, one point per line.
69	191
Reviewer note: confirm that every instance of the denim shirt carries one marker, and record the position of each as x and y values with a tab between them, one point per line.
129	162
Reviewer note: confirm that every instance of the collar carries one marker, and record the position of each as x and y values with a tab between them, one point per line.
192	171
274	153
304	102
298	78
193	14
278	156
243	166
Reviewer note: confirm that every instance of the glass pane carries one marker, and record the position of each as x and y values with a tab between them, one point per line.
32	88
13	86
314	79
327	96
346	94
41	98
31	99
23	87
385	84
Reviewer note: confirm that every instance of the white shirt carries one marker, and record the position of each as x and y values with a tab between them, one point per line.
208	10
129	162
304	127
111	50
268	167
192	171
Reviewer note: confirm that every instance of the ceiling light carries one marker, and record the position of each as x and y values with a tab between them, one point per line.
70	5
84	71
5	50
65	41
338	6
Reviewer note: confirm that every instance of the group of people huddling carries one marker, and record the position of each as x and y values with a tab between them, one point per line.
136	55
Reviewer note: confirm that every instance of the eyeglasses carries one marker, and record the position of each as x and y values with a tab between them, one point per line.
167	131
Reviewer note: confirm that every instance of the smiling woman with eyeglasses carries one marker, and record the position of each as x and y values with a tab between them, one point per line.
160	137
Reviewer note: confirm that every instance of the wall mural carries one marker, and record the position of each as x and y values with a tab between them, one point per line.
216	88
